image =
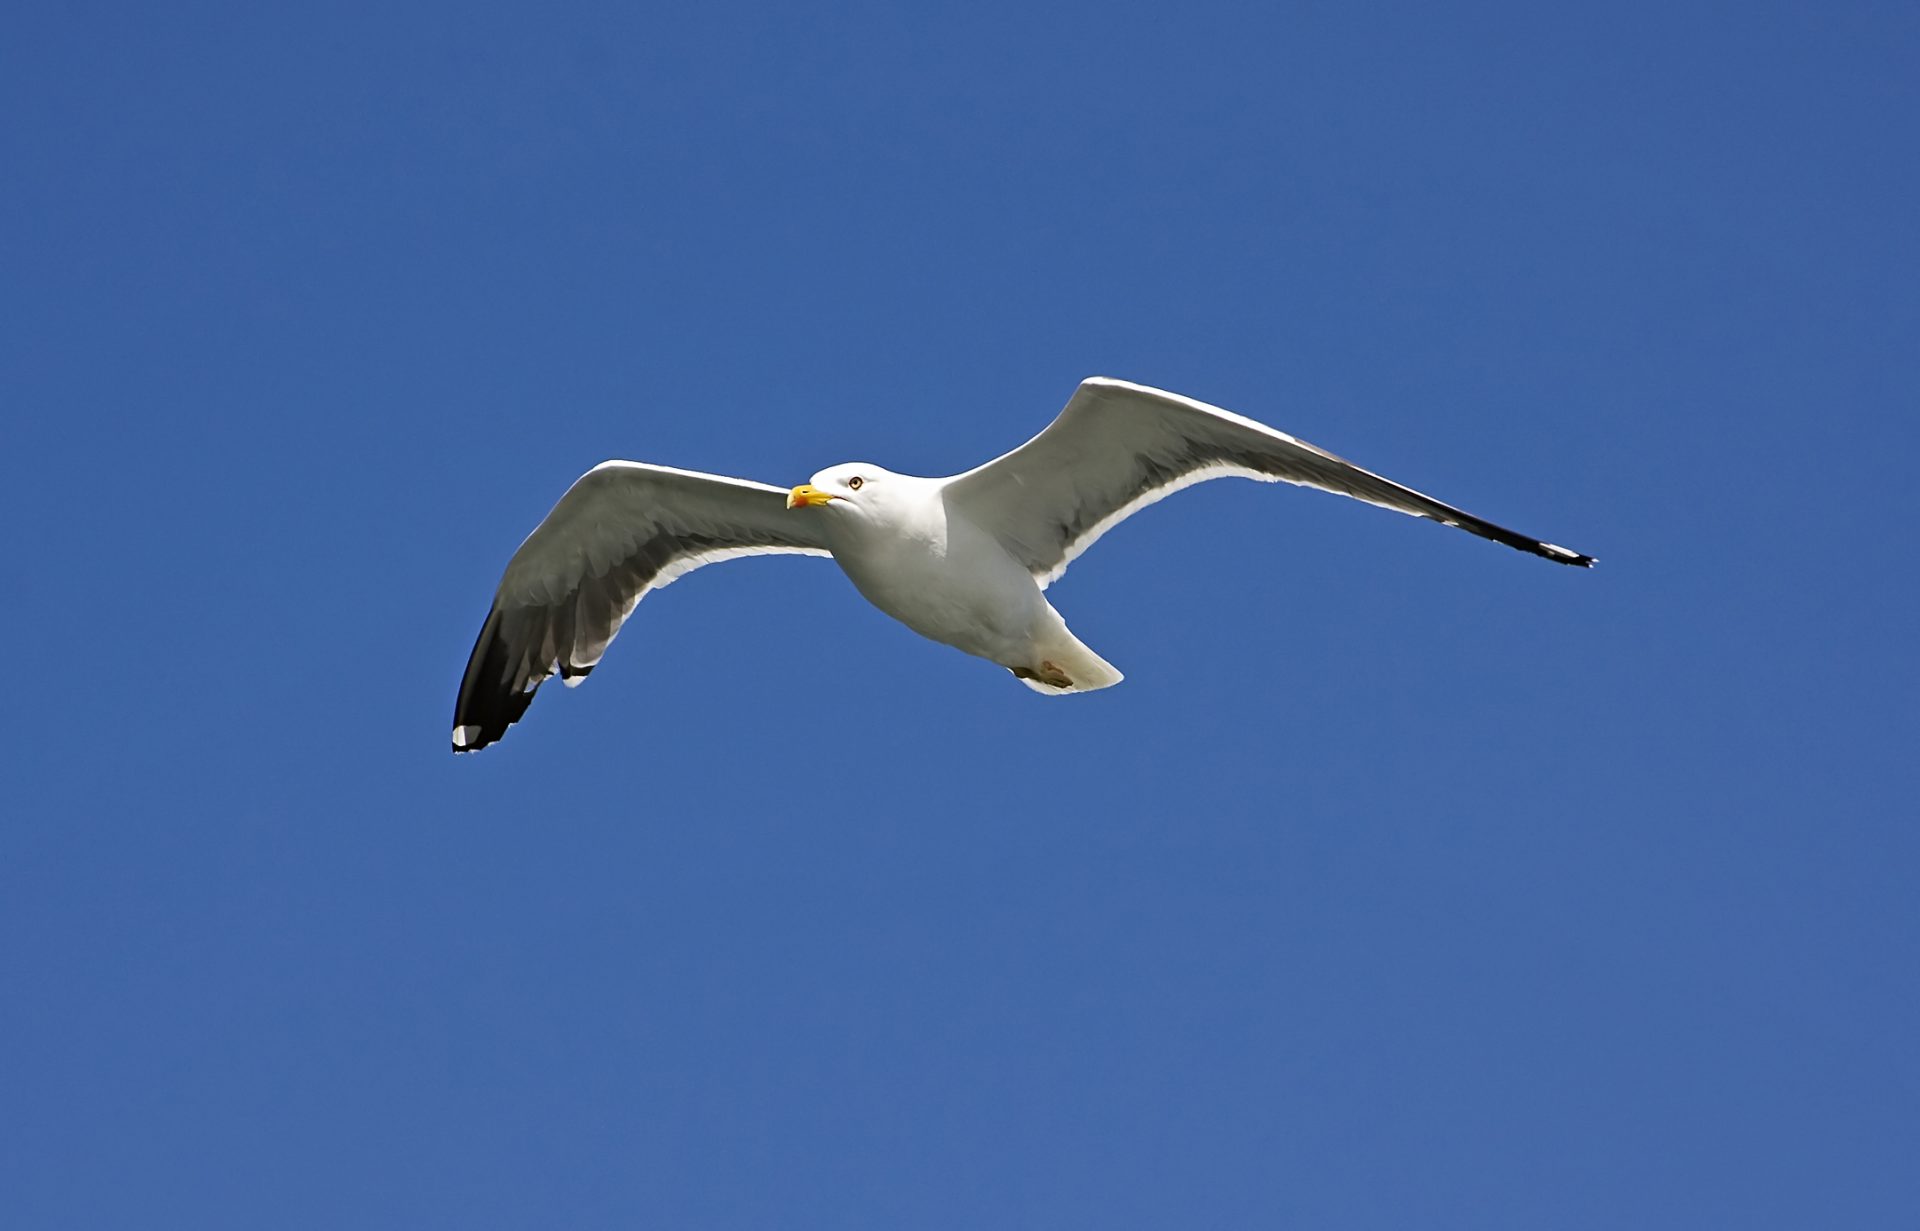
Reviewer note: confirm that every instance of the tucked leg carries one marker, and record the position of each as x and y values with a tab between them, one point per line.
1047	673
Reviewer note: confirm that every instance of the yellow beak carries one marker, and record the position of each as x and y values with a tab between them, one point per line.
806	496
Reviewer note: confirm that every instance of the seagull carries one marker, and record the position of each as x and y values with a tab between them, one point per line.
964	560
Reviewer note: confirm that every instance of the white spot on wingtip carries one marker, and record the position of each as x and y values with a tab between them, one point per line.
462	736
572	681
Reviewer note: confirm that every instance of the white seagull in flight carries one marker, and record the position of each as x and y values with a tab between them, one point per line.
962	560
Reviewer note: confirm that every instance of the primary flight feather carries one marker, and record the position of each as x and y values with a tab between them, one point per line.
962	560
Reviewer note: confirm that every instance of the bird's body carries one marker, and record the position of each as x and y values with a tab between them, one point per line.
926	564
962	560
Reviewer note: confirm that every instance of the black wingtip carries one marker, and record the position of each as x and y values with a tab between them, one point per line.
488	702
1563	555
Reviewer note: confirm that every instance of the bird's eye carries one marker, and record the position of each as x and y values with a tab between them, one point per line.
856	483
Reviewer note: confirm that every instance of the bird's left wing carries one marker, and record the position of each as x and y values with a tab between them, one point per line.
1118	447
621	530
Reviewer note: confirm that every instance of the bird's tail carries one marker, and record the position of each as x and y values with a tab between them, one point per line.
1067	666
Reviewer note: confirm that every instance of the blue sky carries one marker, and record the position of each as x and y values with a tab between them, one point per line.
1407	881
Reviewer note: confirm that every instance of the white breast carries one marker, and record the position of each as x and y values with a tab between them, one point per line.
939	574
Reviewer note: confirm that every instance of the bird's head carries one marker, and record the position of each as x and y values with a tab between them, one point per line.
851	482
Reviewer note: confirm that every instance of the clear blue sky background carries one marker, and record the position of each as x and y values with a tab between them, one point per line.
1407	881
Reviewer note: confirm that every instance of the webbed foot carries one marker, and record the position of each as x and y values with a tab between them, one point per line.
1046	673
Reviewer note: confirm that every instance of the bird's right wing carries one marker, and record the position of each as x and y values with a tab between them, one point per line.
1118	447
622	529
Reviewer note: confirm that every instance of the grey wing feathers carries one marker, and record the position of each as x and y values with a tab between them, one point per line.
1118	447
621	530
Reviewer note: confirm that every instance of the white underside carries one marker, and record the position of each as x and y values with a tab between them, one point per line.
950	581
